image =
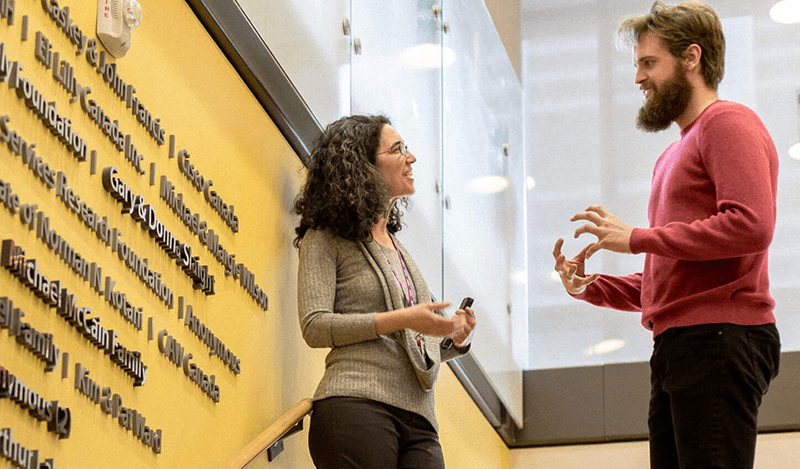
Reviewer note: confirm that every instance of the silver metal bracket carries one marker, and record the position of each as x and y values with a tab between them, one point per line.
277	447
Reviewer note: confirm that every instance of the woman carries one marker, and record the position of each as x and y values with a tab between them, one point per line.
360	293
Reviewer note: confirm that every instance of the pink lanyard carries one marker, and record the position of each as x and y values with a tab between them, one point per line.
405	274
419	337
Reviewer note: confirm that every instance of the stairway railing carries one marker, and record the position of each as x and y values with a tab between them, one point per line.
271	439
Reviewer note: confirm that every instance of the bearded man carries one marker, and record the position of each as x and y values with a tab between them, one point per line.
704	289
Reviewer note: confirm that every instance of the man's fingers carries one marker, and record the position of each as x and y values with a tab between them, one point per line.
591	229
557	248
568	273
568	270
599	209
591	217
582	255
559	257
589	279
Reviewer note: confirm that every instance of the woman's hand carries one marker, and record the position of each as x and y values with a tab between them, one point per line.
420	317
423	318
572	272
465	323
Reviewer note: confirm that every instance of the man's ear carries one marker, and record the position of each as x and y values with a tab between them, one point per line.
691	56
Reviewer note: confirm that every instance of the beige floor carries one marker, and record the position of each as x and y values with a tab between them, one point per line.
774	451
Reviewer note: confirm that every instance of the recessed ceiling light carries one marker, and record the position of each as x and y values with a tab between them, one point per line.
428	56
786	12
604	347
794	151
489	184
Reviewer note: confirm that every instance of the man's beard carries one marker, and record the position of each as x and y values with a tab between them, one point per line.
666	103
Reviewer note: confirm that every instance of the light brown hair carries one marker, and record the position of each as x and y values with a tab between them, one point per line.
679	27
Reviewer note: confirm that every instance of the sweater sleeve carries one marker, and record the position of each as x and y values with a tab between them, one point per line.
622	293
316	293
742	167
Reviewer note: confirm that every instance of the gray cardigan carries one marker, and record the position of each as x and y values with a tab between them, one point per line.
341	286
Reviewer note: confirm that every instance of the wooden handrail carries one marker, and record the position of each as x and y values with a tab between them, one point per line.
271	435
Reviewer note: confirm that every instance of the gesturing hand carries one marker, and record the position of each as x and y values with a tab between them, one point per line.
572	272
423	318
612	233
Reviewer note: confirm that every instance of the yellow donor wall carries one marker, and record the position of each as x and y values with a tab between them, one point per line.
147	288
134	191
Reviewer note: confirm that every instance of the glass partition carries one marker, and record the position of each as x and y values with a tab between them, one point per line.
396	71
439	71
485	189
310	40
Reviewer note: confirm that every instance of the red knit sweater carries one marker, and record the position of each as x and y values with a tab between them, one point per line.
712	217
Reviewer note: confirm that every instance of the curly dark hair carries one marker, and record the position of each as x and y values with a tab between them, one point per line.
344	191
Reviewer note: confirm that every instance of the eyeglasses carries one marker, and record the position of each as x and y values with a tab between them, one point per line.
399	147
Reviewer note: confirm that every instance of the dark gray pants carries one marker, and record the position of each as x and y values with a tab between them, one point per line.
352	433
707	385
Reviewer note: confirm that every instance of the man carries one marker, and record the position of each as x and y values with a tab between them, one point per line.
704	289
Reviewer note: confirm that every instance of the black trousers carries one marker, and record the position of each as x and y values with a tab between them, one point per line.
707	384
350	433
